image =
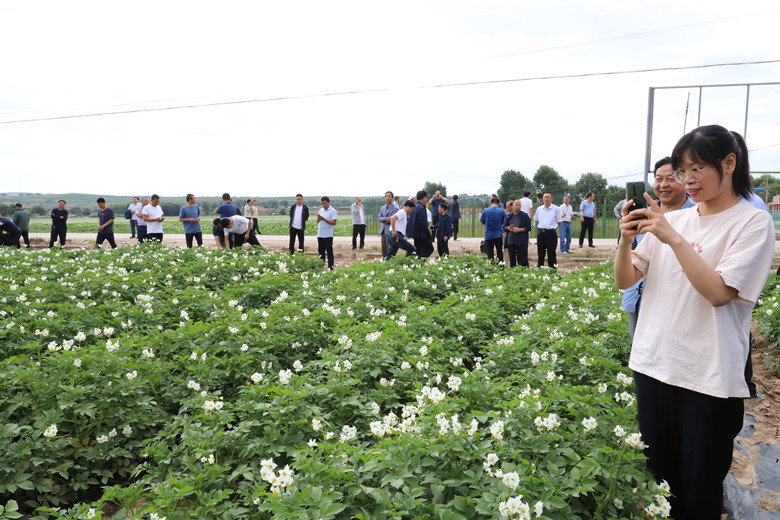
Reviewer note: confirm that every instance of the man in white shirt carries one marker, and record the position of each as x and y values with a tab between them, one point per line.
398	223
240	228
299	214
548	219
134	208
358	223
154	217
140	223
566	213
248	211
326	221
526	205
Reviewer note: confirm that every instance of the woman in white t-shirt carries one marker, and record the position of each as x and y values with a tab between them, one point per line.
704	268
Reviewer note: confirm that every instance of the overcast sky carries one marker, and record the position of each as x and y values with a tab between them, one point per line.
76	58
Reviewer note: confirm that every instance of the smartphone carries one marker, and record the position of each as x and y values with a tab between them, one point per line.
636	192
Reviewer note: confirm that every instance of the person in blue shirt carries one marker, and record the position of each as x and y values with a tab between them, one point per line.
417	228
189	216
227	210
492	219
588	218
443	231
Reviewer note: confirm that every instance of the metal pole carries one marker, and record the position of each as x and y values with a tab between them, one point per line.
698	112
649	138
747	106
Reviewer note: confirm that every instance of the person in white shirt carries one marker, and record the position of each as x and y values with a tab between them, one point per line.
566	213
704	269
548	219
248	211
153	216
358	223
618	211
398	223
527	205
240	227
134	208
326	222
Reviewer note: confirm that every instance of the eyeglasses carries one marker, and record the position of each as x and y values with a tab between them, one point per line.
694	173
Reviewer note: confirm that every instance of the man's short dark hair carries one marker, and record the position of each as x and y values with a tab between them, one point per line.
217	222
409	204
663	162
526	193
494	200
61	201
444	206
454	197
540	195
18	205
225	223
589	194
390	192
248	201
190	196
421	194
298	195
226	196
155	196
325	198
101	200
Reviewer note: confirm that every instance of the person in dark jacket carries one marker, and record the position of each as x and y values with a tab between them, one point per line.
517	226
9	233
417	228
455	214
299	214
59	224
443	231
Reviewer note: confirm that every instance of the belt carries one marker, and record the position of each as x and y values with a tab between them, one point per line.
547	229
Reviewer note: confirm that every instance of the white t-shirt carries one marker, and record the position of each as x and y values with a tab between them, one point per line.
400	223
297	222
248	211
325	230
153	212
681	339
134	207
240	225
526	205
566	211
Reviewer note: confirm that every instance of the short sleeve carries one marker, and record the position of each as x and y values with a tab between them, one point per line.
745	264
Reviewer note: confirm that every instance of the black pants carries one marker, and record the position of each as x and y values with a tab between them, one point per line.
255	227
158	237
58	233
442	247
587	225
102	237
455	228
197	236
325	247
295	232
239	239
546	243
690	438
358	230
495	243
424	246
26	237
518	254
10	239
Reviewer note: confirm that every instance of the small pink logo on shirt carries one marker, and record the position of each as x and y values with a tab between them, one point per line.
696	247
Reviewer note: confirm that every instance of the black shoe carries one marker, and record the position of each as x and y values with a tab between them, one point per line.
591	245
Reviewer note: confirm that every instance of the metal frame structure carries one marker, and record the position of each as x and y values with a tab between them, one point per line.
651	107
